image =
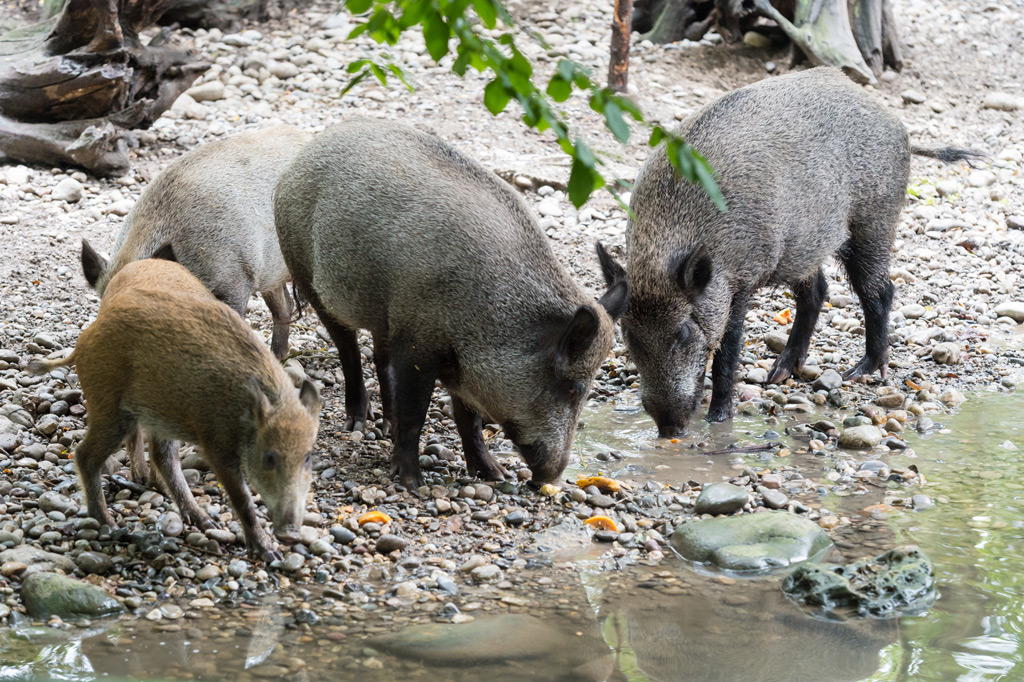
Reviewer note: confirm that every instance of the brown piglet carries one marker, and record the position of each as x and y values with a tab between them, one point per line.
165	356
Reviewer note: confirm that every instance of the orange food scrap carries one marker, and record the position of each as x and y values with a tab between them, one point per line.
603	484
601	523
911	384
374	517
785	317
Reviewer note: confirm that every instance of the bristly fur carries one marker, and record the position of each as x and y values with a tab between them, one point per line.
213	208
949	154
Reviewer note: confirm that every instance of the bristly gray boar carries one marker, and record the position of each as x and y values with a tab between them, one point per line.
184	366
810	167
391	230
214	207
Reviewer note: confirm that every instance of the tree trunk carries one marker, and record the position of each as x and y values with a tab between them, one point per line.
71	85
618	65
224	14
858	36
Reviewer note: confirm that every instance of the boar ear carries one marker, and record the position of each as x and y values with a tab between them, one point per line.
260	401
577	336
93	264
612	271
693	271
309	396
165	252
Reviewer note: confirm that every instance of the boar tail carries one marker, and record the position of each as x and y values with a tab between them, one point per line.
949	154
36	366
299	302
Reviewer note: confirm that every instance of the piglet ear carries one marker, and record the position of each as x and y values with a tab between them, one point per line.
260	403
577	337
93	264
309	396
165	252
692	271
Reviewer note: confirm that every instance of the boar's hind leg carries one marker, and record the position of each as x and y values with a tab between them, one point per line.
257	540
727	357
479	460
809	294
280	306
867	265
101	440
137	463
386	379
414	384
164	454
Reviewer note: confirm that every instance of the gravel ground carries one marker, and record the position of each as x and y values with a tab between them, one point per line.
956	266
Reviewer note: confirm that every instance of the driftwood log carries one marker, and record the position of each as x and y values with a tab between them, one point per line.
71	85
859	36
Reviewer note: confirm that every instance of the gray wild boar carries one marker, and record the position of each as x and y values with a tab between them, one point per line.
810	166
214	207
391	230
184	366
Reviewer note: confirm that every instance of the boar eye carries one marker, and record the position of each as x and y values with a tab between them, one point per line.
269	459
308	462
578	389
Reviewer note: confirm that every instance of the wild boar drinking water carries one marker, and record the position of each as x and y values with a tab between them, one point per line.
391	230
810	166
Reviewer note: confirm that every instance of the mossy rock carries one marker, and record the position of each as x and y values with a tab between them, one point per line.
53	594
751	542
897	583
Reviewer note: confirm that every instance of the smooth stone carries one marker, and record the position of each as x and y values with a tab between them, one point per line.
207	92
93	562
922	502
751	542
774	499
601	500
293	562
755	39
864	436
54	501
757	375
342	535
495	639
170	524
208	572
999	101
912	96
912	311
53	594
981	178
488	573
946	354
283	70
1011	309
828	381
1015	222
776	341
890	401
389	542
69	190
721	498
517	517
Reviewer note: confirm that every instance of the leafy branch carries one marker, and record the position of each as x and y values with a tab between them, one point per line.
442	20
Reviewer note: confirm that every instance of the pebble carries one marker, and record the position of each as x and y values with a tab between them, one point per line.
69	190
93	562
293	562
1011	309
755	39
946	354
721	498
774	499
208	572
913	96
1000	101
207	92
857	437
342	535
828	381
388	543
488	573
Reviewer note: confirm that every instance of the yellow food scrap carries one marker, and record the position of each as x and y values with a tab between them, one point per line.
374	517
601	523
550	490
603	484
785	317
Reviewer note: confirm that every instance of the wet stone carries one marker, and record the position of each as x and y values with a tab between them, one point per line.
601	500
342	535
293	562
53	501
488	573
388	543
863	436
750	542
52	594
721	498
518	517
774	499
829	380
93	562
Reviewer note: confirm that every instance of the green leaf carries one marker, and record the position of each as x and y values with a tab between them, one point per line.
379	73
358	30
436	33
356	65
485	10
402	76
657	135
358	6
495	97
583	178
559	89
615	122
354	82
706	179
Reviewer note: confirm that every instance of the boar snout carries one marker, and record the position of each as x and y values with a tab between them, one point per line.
545	467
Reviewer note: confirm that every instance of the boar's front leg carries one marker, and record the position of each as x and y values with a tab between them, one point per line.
727	357
164	454
257	541
479	460
414	383
809	297
347	343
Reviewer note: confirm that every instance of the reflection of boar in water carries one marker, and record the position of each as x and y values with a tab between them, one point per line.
810	166
391	230
214	206
165	356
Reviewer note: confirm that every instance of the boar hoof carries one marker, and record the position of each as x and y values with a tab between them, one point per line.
201	521
264	551
353	424
488	470
719	413
779	373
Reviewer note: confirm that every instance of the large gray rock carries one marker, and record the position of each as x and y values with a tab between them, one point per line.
896	583
53	594
1011	309
37	560
721	498
751	542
